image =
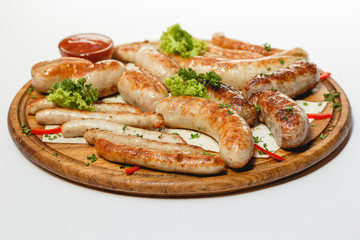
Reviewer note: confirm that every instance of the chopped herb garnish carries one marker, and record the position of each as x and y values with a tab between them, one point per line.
320	103
138	135
305	103
323	136
265	146
271	134
193	136
224	105
337	104
289	108
30	90
87	164
230	112
338	109
175	133
27	131
124	128
22	125
330	97
33	97
261	152
160	136
329	129
267	47
312	125
55	154
273	89
93	157
207	153
281	61
257	107
257	139
269	68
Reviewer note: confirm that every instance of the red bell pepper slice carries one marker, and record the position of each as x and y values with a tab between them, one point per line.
273	155
131	170
46	131
324	75
319	115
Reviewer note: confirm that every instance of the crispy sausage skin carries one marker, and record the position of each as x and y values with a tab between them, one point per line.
41	103
230	130
237	72
149	120
92	135
126	52
45	74
160	160
286	120
103	75
158	64
297	79
220	40
138	87
232	53
78	127
229	95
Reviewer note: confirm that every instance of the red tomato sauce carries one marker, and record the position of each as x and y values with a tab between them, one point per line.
94	47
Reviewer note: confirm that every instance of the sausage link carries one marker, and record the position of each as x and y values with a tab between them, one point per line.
159	160
138	87
230	130
149	120
297	79
286	120
78	127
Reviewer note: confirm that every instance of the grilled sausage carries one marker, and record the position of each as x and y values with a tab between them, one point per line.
297	79
286	120
169	162
220	40
78	127
237	72
92	135
138	87
102	75
230	96
232	53
158	64
126	52
41	103
149	120
45	74
230	130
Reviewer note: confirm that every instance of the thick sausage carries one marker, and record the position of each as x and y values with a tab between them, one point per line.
230	130
149	120
78	127
220	40
102	75
92	135
158	64
138	87
45	74
126	52
286	120
41	103
194	164
237	72
297	79
230	96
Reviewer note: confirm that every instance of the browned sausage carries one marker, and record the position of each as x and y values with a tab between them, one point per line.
230	130
159	160
286	120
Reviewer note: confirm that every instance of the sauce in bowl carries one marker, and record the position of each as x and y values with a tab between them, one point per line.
91	46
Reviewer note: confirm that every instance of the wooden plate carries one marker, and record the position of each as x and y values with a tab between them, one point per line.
69	160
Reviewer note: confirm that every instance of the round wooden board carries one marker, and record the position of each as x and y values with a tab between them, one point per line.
69	160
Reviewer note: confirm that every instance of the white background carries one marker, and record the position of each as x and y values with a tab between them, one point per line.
320	204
